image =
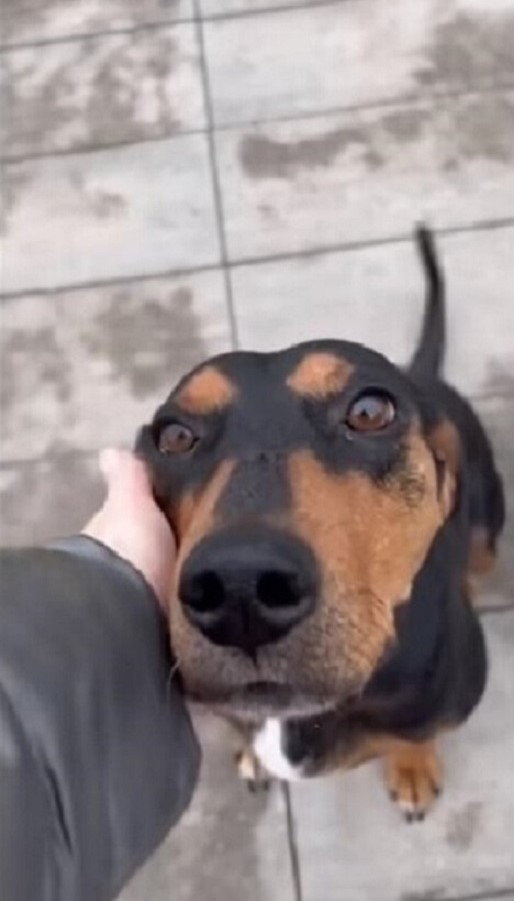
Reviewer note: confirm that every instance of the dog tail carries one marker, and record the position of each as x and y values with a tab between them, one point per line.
428	358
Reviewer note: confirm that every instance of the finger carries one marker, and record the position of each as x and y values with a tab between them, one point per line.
126	476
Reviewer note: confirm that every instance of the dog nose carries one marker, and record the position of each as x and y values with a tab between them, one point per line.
246	591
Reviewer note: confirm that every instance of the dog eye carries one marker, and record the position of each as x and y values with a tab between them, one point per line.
371	412
176	438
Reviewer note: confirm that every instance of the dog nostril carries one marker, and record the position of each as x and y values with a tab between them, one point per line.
206	593
277	590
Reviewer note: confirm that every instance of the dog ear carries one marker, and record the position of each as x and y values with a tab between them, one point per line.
444	442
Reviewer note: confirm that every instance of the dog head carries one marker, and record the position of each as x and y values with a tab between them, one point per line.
305	489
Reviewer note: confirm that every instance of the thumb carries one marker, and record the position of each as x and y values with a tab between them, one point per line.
126	476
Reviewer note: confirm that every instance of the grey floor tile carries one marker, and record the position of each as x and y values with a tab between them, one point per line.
375	295
366	175
352	53
45	499
25	21
116	88
229	846
142	209
355	847
85	368
504	896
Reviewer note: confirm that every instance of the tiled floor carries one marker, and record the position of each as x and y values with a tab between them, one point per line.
185	176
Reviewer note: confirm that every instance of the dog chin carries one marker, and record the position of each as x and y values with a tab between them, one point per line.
256	701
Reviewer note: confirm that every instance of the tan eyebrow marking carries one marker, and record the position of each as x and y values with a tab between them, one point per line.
206	391
319	375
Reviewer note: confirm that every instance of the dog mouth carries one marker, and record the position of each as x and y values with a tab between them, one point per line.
264	692
263	698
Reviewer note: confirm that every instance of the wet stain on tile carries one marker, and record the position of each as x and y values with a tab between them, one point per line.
480	127
32	19
20	16
105	204
90	93
500	379
265	157
100	203
38	349
463	826
30	114
143	340
114	107
15	181
469	46
404	125
485	129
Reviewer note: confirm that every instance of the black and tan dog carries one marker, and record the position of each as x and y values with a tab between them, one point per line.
331	511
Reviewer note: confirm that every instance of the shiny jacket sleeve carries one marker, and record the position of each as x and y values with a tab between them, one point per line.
97	754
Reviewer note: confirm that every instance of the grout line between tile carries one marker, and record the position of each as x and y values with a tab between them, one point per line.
294	855
436	95
484	225
14	159
9	296
322	250
392	103
165	23
92	35
215	177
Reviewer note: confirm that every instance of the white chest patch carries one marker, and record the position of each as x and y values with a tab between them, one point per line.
267	746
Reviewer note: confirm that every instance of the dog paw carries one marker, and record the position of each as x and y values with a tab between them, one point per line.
251	772
414	778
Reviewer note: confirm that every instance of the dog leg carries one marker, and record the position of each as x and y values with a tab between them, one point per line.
251	771
414	777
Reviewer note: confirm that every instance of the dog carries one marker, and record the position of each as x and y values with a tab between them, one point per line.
332	512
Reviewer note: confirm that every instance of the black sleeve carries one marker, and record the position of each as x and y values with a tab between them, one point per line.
97	755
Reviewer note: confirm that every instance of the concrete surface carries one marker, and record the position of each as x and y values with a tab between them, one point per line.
184	177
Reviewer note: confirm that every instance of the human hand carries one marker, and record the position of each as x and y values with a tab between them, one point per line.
131	524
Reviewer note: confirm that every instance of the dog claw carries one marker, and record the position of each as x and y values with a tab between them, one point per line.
258	786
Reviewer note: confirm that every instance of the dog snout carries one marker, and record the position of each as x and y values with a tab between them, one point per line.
248	590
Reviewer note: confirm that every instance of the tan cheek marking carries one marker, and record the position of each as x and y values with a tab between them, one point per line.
183	514
444	441
206	391
198	512
370	542
319	375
